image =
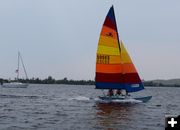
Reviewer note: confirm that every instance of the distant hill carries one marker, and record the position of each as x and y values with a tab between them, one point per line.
162	82
168	82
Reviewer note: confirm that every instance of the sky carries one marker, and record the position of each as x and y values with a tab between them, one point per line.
59	38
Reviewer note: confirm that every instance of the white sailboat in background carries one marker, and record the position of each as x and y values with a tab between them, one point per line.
17	83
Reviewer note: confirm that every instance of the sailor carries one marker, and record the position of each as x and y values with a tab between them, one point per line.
1	81
118	92
110	92
127	94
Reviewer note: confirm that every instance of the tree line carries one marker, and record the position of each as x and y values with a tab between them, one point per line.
156	84
51	80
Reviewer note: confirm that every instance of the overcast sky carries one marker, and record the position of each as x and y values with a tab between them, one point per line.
60	37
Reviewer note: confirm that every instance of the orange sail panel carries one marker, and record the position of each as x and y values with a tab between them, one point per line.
114	67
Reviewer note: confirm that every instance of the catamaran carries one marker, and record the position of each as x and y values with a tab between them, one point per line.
17	84
114	67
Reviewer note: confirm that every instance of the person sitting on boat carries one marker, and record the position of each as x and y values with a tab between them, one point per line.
128	94
1	81
118	92
110	92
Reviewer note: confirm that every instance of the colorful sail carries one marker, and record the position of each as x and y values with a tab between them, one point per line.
114	67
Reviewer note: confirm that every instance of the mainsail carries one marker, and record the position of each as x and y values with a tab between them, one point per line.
114	67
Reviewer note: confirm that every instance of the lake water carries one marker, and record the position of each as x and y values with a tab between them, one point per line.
68	107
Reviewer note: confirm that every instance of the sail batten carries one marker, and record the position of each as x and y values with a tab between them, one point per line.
114	67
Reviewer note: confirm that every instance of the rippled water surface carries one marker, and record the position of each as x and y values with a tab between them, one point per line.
70	107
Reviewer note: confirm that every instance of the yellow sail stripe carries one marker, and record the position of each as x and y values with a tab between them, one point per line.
108	50
115	60
112	59
108	41
124	54
125	58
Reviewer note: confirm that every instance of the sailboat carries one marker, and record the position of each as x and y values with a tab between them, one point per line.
17	84
114	67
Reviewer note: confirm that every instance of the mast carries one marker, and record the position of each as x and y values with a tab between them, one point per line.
116	30
17	71
118	41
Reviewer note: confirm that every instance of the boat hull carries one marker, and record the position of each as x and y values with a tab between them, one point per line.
123	98
15	85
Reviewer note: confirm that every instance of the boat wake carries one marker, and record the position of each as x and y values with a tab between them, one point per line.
80	98
83	98
17	96
127	101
